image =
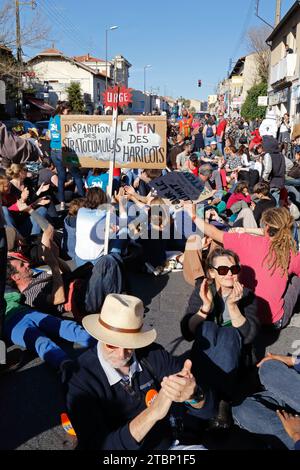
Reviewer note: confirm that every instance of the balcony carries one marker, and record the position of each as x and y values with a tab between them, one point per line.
284	70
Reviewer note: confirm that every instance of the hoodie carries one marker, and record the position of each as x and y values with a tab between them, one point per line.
274	163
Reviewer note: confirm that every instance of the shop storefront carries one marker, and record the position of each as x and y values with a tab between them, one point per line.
280	101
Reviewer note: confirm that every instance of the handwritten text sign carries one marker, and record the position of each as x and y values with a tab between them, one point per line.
89	141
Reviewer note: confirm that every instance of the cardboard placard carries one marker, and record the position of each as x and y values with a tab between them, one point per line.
88	141
179	186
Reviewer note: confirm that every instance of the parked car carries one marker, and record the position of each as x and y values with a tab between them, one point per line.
42	127
18	122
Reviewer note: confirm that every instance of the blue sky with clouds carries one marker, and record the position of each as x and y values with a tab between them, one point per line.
183	41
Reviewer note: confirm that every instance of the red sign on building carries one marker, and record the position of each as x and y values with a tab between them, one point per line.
117	97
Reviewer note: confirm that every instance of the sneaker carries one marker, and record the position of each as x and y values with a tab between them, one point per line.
67	425
14	360
158	271
174	265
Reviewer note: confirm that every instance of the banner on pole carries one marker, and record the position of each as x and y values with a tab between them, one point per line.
88	141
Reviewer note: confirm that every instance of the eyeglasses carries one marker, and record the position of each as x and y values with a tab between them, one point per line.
223	270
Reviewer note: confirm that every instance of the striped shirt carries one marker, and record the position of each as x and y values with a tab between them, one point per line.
39	291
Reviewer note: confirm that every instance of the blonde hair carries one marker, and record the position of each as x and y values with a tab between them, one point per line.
75	205
3	182
14	170
280	224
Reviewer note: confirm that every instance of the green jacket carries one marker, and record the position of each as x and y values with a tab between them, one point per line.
14	304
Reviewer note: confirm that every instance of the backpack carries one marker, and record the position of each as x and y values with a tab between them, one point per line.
209	131
243	139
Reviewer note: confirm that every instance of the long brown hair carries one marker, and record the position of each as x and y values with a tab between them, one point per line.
280	224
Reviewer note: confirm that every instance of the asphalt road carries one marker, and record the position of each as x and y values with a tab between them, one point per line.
31	400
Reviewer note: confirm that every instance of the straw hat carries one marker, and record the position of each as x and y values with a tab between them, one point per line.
33	130
120	323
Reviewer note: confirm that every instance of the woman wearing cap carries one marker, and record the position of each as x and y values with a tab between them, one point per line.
221	318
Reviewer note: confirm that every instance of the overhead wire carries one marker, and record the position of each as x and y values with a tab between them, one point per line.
244	29
76	29
65	29
71	26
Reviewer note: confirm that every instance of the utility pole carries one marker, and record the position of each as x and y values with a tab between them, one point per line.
278	12
19	52
19	60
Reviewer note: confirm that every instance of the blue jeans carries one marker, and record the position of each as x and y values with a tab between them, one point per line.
3	262
220	145
291	189
276	195
56	157
257	414
28	226
209	140
216	355
33	331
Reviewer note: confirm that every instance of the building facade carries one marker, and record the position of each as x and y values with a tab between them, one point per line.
284	84
52	73
233	91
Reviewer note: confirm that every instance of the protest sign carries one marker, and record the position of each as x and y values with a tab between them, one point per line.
88	141
117	97
179	186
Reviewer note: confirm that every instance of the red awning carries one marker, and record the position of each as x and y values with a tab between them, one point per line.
45	107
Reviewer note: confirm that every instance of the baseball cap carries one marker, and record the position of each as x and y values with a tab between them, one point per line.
17	255
297	149
213	143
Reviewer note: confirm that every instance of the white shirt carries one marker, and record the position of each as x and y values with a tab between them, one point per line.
112	374
284	128
90	227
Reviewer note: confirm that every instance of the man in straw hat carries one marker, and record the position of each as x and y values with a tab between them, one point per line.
127	392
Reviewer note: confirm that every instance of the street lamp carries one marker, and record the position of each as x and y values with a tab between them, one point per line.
145	68
111	28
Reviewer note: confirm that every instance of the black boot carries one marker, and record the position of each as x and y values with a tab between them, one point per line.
223	420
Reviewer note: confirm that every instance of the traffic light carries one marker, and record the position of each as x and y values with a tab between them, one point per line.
199	83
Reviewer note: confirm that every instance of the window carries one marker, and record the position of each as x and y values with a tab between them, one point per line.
294	38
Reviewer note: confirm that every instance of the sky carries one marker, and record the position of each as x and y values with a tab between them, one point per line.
182	41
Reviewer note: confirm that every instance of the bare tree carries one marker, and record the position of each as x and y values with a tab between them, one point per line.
256	40
34	34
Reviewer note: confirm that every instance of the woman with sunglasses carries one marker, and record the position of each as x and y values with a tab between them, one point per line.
221	319
270	264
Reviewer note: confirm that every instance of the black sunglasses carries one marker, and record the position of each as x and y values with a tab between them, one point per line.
223	270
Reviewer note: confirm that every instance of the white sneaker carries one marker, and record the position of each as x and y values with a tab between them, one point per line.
152	270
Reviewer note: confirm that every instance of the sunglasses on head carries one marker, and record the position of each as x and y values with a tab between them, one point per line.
223	270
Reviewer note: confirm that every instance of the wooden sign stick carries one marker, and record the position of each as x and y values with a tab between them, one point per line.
111	176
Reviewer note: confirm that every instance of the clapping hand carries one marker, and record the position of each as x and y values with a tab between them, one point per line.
43	188
206	296
129	190
236	294
24	194
181	386
43	201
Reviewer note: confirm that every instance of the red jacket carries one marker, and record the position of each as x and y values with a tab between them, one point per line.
237	198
